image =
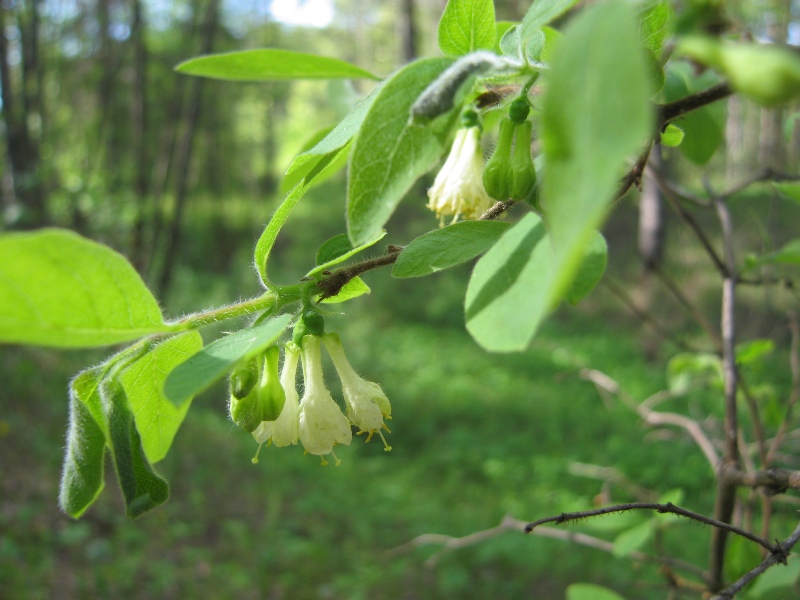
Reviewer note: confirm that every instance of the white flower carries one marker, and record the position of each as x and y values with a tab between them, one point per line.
322	424
285	429
367	405
458	188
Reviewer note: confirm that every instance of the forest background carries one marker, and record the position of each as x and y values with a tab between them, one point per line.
181	174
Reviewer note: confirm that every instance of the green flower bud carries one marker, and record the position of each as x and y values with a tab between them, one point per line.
519	110
299	332
523	173
271	396
243	378
314	322
245	411
496	173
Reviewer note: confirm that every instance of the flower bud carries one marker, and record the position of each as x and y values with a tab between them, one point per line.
523	173
519	110
245	411
496	174
244	378
314	322
271	396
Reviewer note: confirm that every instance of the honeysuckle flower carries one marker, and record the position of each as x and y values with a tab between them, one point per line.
322	423
367	405
284	430
458	188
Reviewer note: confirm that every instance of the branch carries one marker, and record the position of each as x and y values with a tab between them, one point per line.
673	110
776	556
669	507
775	481
652	417
511	524
332	283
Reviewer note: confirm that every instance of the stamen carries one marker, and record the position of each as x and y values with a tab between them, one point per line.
338	460
386	428
323	462
386	447
369	437
254	460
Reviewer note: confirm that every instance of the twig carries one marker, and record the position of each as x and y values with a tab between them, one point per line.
657	418
618	292
776	556
775	481
794	363
726	488
669	507
509	523
673	110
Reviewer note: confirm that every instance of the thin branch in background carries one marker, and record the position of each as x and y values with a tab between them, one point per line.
509	523
698	316
755	417
652	417
778	556
726	489
673	110
794	363
669	507
620	294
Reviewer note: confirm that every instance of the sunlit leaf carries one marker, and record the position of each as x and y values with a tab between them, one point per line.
466	26
60	289
352	289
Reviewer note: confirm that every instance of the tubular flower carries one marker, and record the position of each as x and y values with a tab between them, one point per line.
284	430
367	405
322	424
458	188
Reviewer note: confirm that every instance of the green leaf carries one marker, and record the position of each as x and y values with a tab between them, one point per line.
447	247
672	136
501	28
212	363
535	43
157	419
466	26
790	190
82	478
589	591
330	251
596	114
390	153
296	175
779	577
352	289
590	271
704	128
788	255
507	295
741	555
687	369
142	488
269	64
654	25
754	350
543	12
676	496
273	228
338	137
633	539
59	289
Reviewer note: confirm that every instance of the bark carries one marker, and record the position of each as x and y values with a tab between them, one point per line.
651	219
138	133
408	30
21	113
184	155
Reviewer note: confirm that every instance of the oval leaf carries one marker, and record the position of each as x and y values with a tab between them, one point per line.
466	26
352	289
157	419
588	591
389	153
212	363
334	251
82	478
269	64
590	271
447	247
60	289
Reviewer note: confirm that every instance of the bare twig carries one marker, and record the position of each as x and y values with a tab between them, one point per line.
775	481
673	110
657	418
669	507
726	488
794	363
775	557
509	523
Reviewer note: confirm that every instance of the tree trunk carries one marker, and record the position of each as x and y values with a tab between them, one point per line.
408	30
138	132
651	219
184	155
22	116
